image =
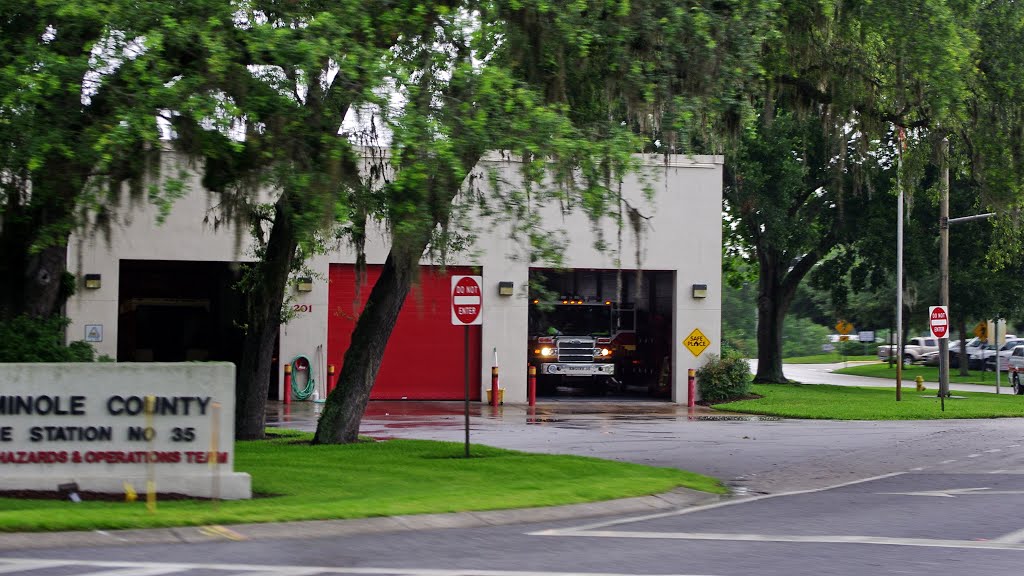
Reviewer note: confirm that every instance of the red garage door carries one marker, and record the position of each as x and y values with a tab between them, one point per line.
424	358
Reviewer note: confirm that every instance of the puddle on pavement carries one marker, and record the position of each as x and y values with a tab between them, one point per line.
438	424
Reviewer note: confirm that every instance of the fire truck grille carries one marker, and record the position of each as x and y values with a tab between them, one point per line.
576	350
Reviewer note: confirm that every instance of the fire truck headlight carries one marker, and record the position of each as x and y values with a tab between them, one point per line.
545	351
604	352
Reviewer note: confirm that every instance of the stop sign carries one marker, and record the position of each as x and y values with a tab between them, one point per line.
467	301
938	321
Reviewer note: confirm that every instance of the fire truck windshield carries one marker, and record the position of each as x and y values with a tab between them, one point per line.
572	319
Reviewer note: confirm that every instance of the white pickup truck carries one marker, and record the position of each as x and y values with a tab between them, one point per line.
1016	365
913	351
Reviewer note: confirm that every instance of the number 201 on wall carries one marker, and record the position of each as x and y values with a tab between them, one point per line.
302	308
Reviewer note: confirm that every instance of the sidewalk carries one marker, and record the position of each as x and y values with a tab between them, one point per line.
824	374
678	498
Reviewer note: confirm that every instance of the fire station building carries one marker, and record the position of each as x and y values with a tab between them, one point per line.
164	292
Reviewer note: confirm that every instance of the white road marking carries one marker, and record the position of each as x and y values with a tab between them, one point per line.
973	455
1016	537
992	450
818	539
133	568
918	469
683	511
947	461
280	571
954	492
997	471
140	571
1014	446
31	565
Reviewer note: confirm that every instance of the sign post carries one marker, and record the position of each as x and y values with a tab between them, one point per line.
938	324
467	304
844	328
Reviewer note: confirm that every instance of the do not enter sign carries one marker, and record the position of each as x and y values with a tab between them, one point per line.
938	321
467	301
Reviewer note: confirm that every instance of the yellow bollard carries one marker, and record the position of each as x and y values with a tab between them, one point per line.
920	383
130	495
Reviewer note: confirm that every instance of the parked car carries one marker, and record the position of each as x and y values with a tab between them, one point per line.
932	358
913	351
1003	355
976	359
1016	362
975	348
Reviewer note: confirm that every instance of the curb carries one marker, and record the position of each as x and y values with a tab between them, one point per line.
678	498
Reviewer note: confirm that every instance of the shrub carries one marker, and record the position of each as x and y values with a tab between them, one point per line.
853	347
28	339
802	337
723	378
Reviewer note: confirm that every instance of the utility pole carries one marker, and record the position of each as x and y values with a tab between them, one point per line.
944	270
944	222
896	349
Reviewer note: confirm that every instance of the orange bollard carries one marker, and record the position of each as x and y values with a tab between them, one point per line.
494	386
286	395
531	385
691	387
330	378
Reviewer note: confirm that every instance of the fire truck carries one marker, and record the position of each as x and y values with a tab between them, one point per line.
581	343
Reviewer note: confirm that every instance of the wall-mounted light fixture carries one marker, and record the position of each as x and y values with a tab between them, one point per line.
304	285
93	281
700	290
505	288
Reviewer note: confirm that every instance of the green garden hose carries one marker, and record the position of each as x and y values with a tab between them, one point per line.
302	394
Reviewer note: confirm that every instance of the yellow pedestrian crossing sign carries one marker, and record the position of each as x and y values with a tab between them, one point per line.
844	327
981	330
696	342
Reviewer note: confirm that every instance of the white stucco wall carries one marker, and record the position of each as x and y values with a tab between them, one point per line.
683	234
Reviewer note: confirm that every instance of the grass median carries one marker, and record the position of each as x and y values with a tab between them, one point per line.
929	373
824	402
296	481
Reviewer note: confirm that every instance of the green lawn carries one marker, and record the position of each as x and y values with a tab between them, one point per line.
830	358
370	479
820	401
930	374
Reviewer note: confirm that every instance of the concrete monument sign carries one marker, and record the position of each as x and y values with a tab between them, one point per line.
102	425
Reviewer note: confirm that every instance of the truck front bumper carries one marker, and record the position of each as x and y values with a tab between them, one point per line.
578	369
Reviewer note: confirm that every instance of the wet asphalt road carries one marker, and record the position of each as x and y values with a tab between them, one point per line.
814	498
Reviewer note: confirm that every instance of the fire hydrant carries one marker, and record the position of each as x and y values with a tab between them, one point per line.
920	383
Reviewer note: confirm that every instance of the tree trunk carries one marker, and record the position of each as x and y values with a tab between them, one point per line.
344	408
44	276
13	254
252	376
770	316
777	284
38	293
